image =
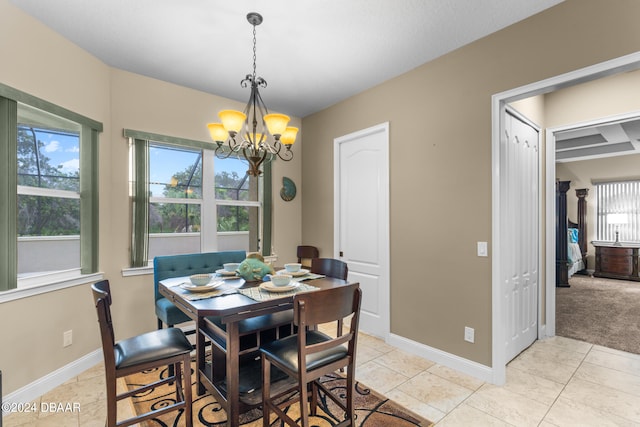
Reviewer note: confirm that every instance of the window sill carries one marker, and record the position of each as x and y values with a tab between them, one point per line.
43	284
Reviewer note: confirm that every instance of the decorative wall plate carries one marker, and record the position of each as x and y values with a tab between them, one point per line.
288	191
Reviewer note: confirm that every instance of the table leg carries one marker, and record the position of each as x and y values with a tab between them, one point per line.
200	357
233	375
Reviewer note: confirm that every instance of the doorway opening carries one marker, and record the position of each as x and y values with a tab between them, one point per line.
547	198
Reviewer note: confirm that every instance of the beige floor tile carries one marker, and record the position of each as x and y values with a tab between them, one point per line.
510	407
27	415
565	412
374	342
618	380
94	414
365	353
558	354
378	377
58	419
413	404
619	361
464	380
537	388
95	371
617	352
407	364
465	416
435	391
536	362
566	343
82	392
604	399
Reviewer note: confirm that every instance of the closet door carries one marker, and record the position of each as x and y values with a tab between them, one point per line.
520	271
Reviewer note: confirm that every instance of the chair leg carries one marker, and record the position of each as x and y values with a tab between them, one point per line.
159	323
350	393
172	369
304	405
186	390
112	403
313	405
266	391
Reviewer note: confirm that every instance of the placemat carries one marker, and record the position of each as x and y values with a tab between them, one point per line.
259	294
195	296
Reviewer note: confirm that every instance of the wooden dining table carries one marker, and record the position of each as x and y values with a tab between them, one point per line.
233	302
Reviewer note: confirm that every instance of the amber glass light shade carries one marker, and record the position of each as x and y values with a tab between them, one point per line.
218	132
276	123
289	135
232	120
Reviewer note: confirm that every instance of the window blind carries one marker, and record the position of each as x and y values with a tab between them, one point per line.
618	209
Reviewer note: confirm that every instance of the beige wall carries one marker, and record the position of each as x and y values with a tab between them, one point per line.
41	63
440	162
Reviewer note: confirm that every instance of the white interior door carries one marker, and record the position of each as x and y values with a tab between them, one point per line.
361	203
520	216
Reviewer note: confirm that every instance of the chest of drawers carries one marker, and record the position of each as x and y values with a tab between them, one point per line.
616	262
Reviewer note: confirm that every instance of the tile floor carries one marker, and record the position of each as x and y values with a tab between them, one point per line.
556	382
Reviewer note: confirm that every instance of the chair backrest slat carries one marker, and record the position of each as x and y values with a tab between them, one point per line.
306	253
325	305
330	267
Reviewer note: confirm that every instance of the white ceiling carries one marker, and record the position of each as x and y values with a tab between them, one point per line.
312	53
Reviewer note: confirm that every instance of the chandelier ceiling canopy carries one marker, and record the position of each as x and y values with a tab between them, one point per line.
254	135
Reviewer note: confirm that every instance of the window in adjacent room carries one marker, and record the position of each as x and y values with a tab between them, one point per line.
618	208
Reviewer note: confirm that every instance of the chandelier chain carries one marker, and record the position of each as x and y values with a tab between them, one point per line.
254	53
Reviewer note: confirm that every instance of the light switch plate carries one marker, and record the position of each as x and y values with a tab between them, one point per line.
482	249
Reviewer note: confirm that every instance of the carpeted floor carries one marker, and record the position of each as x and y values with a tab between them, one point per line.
600	311
372	409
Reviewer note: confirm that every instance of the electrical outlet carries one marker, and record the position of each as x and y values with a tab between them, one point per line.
67	338
469	334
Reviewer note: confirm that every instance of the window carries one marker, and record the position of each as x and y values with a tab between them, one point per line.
187	200
48	158
618	206
48	192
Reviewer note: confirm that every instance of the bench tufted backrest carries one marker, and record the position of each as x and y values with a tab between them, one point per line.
165	267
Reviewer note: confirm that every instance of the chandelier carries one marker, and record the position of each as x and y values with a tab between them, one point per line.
245	132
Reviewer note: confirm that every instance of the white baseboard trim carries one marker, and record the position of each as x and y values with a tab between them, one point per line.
32	391
477	370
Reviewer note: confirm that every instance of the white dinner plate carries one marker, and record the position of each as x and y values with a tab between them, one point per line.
205	288
269	287
224	272
298	273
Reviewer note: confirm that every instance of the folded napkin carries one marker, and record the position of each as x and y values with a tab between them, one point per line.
308	276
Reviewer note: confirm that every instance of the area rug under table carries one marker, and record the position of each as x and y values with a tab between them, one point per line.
372	409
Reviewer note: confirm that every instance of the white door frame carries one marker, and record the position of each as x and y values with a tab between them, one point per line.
498	104
385	311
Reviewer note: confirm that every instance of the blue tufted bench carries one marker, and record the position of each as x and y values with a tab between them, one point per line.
165	267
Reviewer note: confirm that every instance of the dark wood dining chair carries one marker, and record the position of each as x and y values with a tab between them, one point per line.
306	254
310	354
331	267
156	349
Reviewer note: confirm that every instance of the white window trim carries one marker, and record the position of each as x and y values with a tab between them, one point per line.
48	282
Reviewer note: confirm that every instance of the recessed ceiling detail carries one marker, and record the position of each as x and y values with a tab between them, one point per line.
602	140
